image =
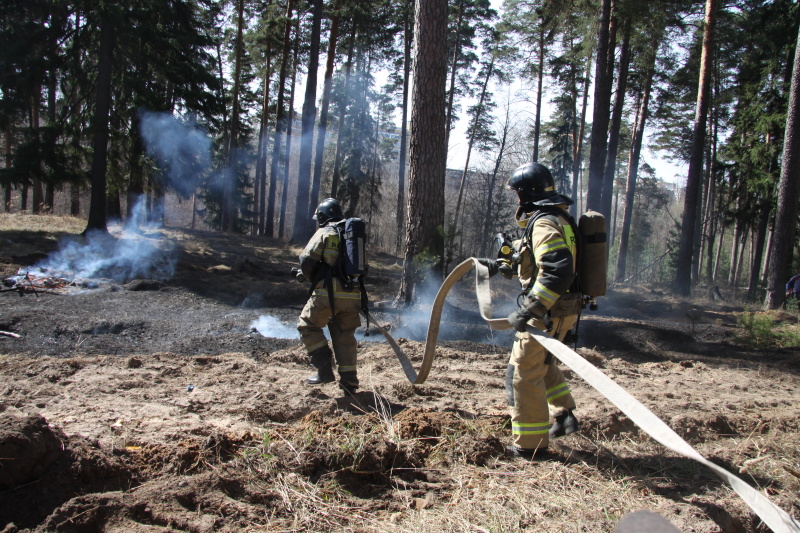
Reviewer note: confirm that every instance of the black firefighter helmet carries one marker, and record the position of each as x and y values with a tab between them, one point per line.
328	211
534	184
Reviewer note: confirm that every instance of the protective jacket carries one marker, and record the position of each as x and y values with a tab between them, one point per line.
318	259
547	255
338	310
546	270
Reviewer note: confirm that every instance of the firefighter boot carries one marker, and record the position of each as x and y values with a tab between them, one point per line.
321	360
531	454
565	424
348	382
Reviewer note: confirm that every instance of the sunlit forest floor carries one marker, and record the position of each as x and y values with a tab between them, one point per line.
161	404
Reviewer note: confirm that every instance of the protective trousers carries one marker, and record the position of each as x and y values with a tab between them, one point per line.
532	381
342	328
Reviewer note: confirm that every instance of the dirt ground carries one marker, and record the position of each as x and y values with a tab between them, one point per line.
177	402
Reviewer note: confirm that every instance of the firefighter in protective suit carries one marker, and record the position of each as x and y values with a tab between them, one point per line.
329	304
546	267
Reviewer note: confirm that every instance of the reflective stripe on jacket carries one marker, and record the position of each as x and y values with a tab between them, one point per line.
547	267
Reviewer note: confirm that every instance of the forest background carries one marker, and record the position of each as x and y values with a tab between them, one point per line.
240	115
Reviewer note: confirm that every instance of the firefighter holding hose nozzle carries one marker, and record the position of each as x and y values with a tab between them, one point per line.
545	262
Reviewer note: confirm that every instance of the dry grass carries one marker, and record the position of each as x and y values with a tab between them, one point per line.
41	223
430	487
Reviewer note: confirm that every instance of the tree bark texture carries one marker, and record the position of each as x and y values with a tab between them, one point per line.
229	184
280	124
97	207
600	113
302	223
289	125
453	70
616	119
9	160
788	191
633	171
401	175
683	279
261	159
344	116
537	124
323	117
577	144
428	149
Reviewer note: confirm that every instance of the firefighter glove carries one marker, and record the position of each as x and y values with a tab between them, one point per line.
491	264
530	308
519	318
534	307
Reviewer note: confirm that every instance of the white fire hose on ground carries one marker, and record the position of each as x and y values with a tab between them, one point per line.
772	515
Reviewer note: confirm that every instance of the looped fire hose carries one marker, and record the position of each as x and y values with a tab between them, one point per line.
772	515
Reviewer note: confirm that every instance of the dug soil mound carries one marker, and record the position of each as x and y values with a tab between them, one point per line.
178	403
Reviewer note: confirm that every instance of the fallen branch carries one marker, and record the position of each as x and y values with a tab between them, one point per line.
9	334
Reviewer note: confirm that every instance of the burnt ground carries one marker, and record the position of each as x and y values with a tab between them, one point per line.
156	405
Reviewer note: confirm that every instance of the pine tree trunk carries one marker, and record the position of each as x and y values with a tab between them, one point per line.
428	146
314	200
263	142
221	75
697	252
788	192
136	176
758	249
683	278
401	176
737	239
453	70
38	190
577	143
711	228
718	255
633	171
97	207
537	123
710	220
228	218
302	222
616	120
50	194
600	114
768	255
9	161
280	123
737	276
289	127
344	116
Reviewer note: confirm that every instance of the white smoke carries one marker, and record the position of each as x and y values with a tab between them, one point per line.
270	326
180	148
101	255
460	317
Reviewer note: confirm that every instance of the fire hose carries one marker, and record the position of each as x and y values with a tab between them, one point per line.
773	516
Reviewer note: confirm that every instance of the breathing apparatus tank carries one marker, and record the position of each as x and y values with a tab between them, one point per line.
592	256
